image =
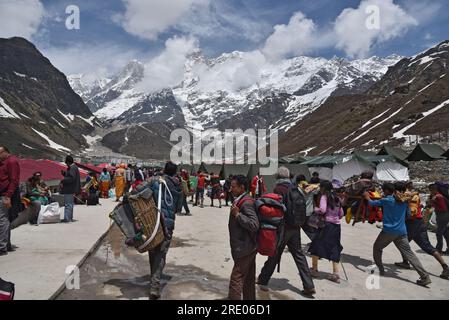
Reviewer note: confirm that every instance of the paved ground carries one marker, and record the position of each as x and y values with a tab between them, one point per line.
199	264
38	266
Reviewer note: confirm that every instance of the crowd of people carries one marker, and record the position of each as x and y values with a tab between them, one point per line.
316	206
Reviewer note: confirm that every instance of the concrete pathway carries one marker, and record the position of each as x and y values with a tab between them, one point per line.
199	265
38	266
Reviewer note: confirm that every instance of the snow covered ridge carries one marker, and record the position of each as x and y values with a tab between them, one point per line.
214	90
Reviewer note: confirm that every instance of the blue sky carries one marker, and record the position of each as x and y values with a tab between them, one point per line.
113	31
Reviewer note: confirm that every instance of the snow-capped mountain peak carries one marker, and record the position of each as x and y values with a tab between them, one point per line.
214	91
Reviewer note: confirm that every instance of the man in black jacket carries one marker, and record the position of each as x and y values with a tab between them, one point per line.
291	239
71	185
243	227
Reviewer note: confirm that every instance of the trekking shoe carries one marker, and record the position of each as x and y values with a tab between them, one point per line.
262	286
334	278
445	274
403	265
314	273
309	292
3	253
424	281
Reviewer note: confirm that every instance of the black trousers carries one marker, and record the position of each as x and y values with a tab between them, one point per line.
291	239
185	205
157	259
442	230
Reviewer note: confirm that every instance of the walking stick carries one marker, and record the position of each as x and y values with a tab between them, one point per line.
344	270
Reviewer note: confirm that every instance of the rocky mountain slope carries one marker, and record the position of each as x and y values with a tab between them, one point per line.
40	115
411	100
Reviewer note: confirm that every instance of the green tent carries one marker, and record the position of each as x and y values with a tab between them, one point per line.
363	153
235	169
298	169
392	151
212	168
427	152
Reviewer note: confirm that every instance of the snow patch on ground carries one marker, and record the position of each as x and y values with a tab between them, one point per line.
400	134
20	75
380	123
51	143
88	120
69	117
57	122
27	146
6	111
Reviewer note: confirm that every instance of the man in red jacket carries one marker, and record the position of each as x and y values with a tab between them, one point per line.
9	184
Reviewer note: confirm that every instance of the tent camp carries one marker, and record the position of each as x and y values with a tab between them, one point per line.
235	169
427	152
293	159
270	180
51	170
343	167
363	153
89	167
392	151
211	168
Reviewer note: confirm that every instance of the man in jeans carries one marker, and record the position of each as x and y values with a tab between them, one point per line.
394	230
291	239
243	226
441	206
171	202
9	183
71	185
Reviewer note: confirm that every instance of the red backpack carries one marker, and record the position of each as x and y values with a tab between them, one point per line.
270	211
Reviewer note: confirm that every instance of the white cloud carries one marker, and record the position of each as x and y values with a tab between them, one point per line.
356	39
233	74
422	10
20	18
167	69
298	37
147	19
100	60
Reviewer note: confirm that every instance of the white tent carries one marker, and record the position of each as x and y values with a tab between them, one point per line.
392	171
349	169
325	173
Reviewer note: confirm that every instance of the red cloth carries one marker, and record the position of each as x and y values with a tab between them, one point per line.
201	182
9	176
254	185
439	203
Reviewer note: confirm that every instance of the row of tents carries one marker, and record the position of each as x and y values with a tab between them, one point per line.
389	164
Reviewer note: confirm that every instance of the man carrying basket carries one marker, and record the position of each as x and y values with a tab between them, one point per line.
171	202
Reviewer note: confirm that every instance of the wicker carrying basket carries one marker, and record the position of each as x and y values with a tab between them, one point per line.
146	216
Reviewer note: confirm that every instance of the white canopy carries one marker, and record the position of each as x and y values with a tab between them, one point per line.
392	171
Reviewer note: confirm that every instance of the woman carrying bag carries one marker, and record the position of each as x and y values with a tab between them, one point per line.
327	243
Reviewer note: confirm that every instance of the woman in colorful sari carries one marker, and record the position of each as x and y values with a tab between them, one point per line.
120	181
105	183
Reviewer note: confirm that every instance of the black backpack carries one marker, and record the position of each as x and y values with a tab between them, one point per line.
296	208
